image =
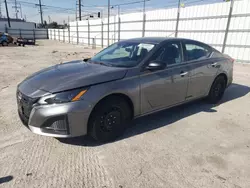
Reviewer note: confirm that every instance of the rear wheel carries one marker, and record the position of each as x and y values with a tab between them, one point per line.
217	90
109	119
4	43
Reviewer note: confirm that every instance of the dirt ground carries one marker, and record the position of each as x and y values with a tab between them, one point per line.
195	145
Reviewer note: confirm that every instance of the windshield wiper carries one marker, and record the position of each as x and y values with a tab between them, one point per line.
101	63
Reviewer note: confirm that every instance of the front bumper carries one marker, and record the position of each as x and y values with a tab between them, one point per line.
59	120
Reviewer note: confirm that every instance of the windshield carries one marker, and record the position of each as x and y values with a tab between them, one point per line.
123	54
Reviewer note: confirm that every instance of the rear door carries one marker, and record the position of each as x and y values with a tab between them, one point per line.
203	69
167	87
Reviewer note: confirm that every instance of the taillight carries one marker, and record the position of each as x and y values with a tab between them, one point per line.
232	60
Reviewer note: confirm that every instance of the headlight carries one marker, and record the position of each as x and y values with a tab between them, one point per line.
63	97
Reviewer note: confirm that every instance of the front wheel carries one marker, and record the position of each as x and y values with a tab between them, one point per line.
217	90
109	119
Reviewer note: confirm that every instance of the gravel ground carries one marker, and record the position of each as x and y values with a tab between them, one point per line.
195	145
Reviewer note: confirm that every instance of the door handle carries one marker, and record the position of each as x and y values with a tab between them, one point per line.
214	64
182	74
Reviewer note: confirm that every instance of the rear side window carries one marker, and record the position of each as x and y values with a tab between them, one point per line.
217	54
196	51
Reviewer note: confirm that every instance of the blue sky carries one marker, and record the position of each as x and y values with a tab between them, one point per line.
59	15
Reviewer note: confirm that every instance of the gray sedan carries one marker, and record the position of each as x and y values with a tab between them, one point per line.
129	79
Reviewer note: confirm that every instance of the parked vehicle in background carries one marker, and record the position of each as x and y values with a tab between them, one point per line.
9	37
4	40
129	79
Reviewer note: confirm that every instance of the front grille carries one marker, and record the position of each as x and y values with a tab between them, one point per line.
25	105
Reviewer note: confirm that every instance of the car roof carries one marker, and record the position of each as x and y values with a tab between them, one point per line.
156	40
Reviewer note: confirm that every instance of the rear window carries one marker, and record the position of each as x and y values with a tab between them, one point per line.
217	54
196	52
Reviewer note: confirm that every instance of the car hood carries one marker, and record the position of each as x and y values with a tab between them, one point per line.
70	75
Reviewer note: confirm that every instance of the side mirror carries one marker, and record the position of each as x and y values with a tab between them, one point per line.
86	59
156	65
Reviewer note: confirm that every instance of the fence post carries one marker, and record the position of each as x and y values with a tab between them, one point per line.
178	18
114	28
6	29
20	33
143	24
93	43
47	33
88	33
119	28
102	34
63	35
69	33
58	31
77	34
228	25
34	34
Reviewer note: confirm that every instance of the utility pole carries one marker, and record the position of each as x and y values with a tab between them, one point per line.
228	26
16	9
80	9
114	27
16	12
76	10
49	19
0	9
119	24
144	6
178	18
20	6
118	11
144	18
7	12
108	19
41	11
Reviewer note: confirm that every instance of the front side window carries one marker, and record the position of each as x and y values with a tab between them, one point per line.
123	54
169	53
196	52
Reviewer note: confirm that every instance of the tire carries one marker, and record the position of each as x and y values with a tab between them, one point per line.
217	90
4	43
109	119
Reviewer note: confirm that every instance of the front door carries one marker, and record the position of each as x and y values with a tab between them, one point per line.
167	87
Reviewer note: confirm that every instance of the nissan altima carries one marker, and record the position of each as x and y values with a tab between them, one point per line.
131	78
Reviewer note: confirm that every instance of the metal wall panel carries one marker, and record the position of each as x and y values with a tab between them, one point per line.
206	23
162	13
